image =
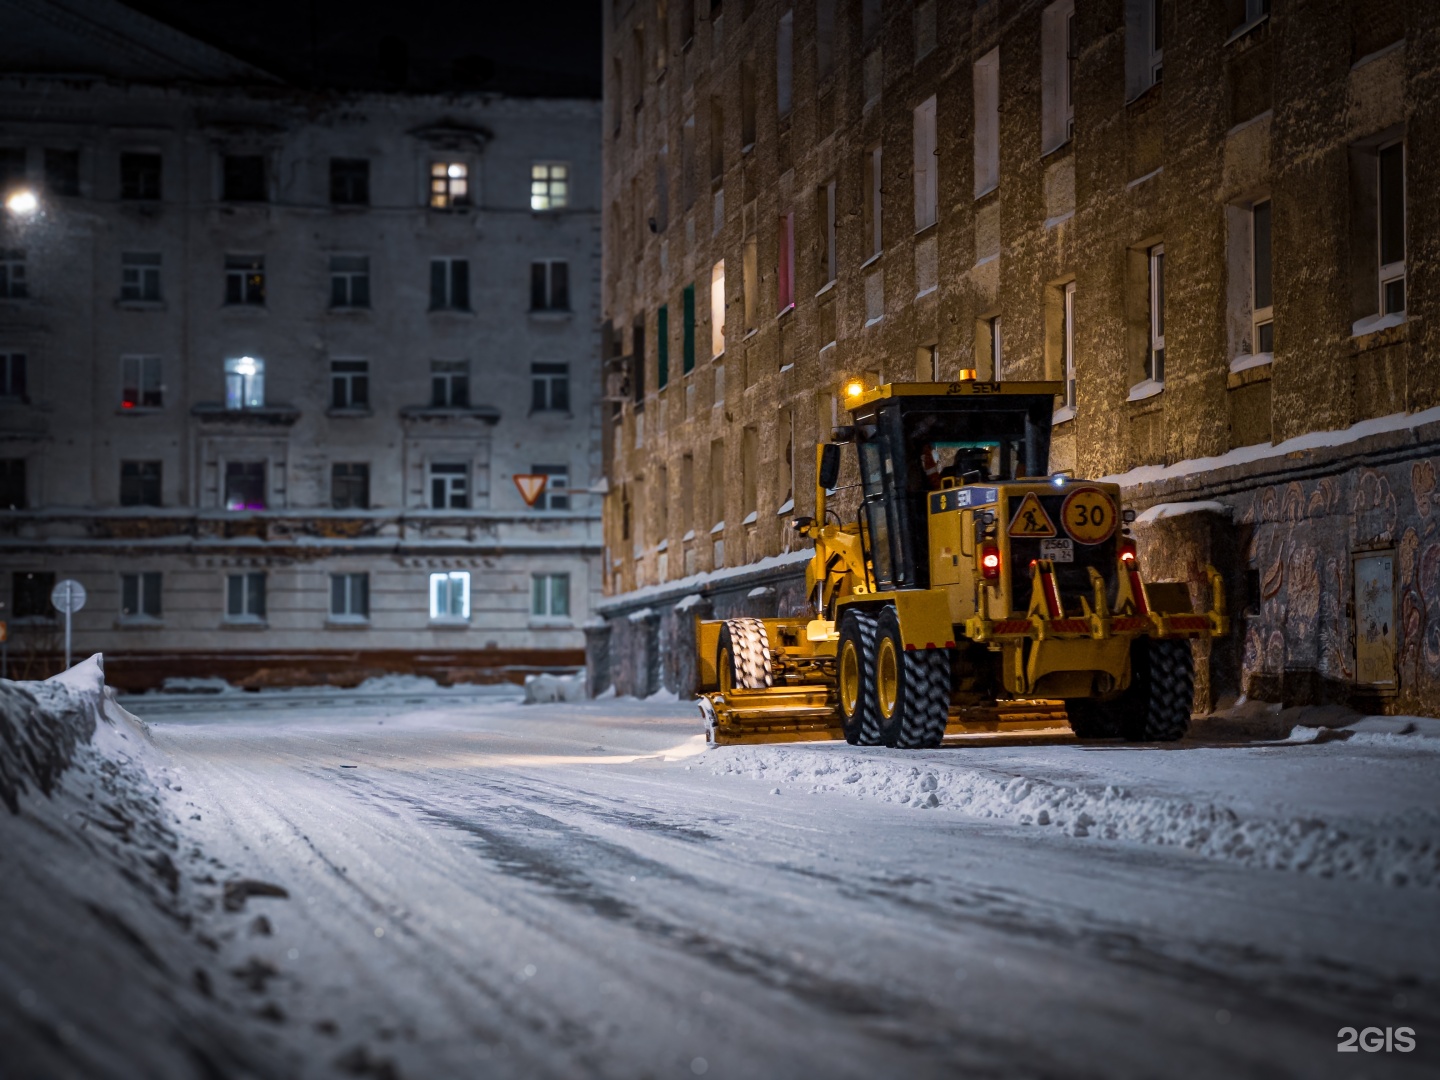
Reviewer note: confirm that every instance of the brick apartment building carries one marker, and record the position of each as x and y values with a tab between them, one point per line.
270	358
1203	218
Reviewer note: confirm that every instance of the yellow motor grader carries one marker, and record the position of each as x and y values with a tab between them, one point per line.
974	594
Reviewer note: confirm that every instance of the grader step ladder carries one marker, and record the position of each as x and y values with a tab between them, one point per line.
973	595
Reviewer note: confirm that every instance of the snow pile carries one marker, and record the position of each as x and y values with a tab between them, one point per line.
547	689
102	953
181	684
1402	852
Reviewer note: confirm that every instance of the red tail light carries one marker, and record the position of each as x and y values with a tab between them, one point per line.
989	561
1127	551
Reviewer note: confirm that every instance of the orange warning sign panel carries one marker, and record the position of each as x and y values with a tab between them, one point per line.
1031	519
531	485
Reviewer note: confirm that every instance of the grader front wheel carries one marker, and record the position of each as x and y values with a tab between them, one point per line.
742	656
855	679
913	689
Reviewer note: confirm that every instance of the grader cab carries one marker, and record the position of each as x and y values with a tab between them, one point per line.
974	593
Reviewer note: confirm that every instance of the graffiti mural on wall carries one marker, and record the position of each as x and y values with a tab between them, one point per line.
1303	539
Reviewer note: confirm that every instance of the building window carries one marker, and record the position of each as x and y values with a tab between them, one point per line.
662	346
450	384
349	384
873	196
350	596
996	347
140	385
449	284
1155	352
1262	311
550	285
450	595
140	483
687	328
244	383
717	308
140	596
349	281
549	185
140	275
243	178
350	181
785	63
12	274
30	592
987	123
1057	46
927	180
245	597
449	185
245	279
549	387
747	106
12	169
1144	45
1067	345
785	263
556	495
350	485
62	172
825	21
140	176
449	485
1391	220
12	375
245	485
12	483
550	595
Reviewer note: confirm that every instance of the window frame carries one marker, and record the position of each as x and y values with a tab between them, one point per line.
14	281
454	478
1067	344
549	501
244	280
543	383
927	164
148	483
14	375
353	593
244	383
544	593
986	136
356	476
1393	272
450	579
1261	316
549	192
451	282
136	174
717	309
146	390
553	297
345	177
355	379
262	474
143	586
140	278
249	610
1155	314
355	278
450	384
450	188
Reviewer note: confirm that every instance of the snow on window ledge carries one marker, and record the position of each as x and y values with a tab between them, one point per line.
1374	323
751	518
1145	388
785	507
1245	363
872	322
688	537
1062	414
717	528
663	545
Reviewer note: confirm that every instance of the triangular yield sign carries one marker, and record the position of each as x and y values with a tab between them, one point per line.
1031	519
532	486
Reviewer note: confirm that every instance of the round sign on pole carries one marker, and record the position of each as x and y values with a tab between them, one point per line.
68	596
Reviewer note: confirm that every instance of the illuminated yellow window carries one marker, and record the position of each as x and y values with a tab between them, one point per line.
449	184
549	185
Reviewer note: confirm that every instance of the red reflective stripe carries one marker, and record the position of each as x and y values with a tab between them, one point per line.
1052	594
1139	590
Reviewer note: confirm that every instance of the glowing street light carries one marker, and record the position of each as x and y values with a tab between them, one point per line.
22	202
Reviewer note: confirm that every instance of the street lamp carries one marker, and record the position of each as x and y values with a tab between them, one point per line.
22	201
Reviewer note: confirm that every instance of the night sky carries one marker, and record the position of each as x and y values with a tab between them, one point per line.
515	46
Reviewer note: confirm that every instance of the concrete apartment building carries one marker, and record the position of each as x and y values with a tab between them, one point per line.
1203	218
270	359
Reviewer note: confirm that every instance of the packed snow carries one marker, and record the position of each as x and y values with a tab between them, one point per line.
451	885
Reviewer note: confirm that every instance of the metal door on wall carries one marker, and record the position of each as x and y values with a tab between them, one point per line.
1375	638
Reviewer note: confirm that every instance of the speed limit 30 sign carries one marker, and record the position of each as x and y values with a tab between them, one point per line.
1089	515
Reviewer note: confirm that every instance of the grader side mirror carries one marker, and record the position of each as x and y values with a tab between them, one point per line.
829	465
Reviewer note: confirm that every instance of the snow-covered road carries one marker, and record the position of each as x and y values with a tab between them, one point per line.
478	887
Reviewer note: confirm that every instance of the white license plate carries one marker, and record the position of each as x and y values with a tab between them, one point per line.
1058	550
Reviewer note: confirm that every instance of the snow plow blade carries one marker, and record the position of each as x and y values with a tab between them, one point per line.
811	714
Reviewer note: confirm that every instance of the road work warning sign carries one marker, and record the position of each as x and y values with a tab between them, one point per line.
1030	519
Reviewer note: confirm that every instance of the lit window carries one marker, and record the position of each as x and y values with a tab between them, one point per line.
140	275
349	384
350	597
449	185
717	308
349	281
549	387
245	597
550	595
244	279
550	285
245	485
450	595
549	186
140	597
244	383
140	386
1155	352
449	485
